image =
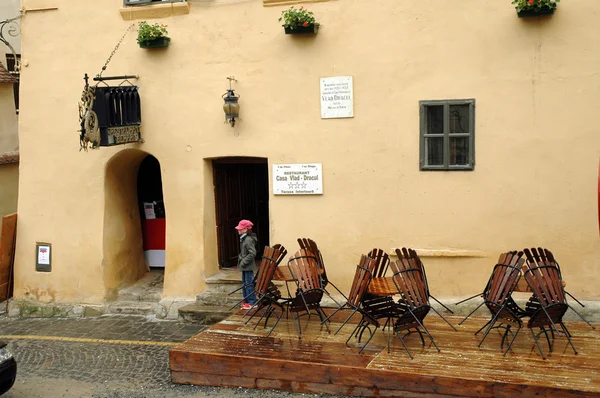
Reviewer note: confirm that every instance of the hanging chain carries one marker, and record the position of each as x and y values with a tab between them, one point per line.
115	50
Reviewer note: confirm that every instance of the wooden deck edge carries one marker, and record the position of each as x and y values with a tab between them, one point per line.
258	373
205	379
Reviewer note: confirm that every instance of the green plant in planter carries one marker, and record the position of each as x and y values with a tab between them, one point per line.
152	36
535	7
298	20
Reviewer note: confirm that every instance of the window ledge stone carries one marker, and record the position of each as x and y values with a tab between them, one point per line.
446	253
154	11
272	3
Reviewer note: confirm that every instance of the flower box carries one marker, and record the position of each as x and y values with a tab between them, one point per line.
533	13
156	43
303	30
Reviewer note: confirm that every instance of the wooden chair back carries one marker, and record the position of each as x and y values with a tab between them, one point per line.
362	278
543	277
414	260
305	270
268	265
382	262
408	279
311	246
504	278
282	253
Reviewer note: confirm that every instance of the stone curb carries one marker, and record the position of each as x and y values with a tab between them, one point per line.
165	309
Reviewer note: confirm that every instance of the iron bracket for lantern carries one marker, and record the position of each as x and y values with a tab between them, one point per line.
10	27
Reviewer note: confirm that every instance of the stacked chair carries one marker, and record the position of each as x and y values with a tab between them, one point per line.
546	307
381	307
542	274
268	296
305	270
408	278
360	284
544	256
279	252
497	297
311	246
412	254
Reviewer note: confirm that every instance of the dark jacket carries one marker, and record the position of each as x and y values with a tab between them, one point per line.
247	252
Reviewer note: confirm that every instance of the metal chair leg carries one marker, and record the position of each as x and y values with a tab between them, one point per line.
255	309
354	332
438	301
491	323
564	328
470	313
276	322
470	298
506	332
339	291
346	321
265	313
336	311
428	335
578	302
548	338
370	337
483	327
537	343
513	340
322	318
445	320
581	316
404	344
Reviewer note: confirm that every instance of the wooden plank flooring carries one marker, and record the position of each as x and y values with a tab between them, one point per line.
232	353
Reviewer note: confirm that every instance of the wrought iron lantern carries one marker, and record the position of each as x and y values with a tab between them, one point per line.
231	107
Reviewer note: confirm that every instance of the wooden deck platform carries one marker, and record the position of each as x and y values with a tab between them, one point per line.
231	353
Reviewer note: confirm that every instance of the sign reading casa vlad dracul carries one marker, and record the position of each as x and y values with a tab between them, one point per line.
337	99
298	179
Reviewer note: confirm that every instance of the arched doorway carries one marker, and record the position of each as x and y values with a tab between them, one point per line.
134	227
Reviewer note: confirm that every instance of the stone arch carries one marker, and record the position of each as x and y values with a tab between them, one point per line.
122	245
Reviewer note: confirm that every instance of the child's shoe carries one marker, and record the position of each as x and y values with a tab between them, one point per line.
247	306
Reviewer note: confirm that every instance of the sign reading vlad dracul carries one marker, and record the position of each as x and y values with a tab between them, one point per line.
337	98
298	179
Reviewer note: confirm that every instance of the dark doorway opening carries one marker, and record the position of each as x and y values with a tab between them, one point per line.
152	211
241	192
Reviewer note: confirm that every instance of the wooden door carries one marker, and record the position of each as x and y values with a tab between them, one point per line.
241	192
7	252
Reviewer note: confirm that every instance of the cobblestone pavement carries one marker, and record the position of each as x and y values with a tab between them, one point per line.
108	356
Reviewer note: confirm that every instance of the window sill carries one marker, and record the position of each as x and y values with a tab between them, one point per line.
451	168
271	3
154	11
446	253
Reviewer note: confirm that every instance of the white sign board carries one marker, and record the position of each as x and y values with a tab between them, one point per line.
337	100
298	179
149	211
43	255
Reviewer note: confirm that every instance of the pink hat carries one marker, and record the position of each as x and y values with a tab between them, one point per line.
245	224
